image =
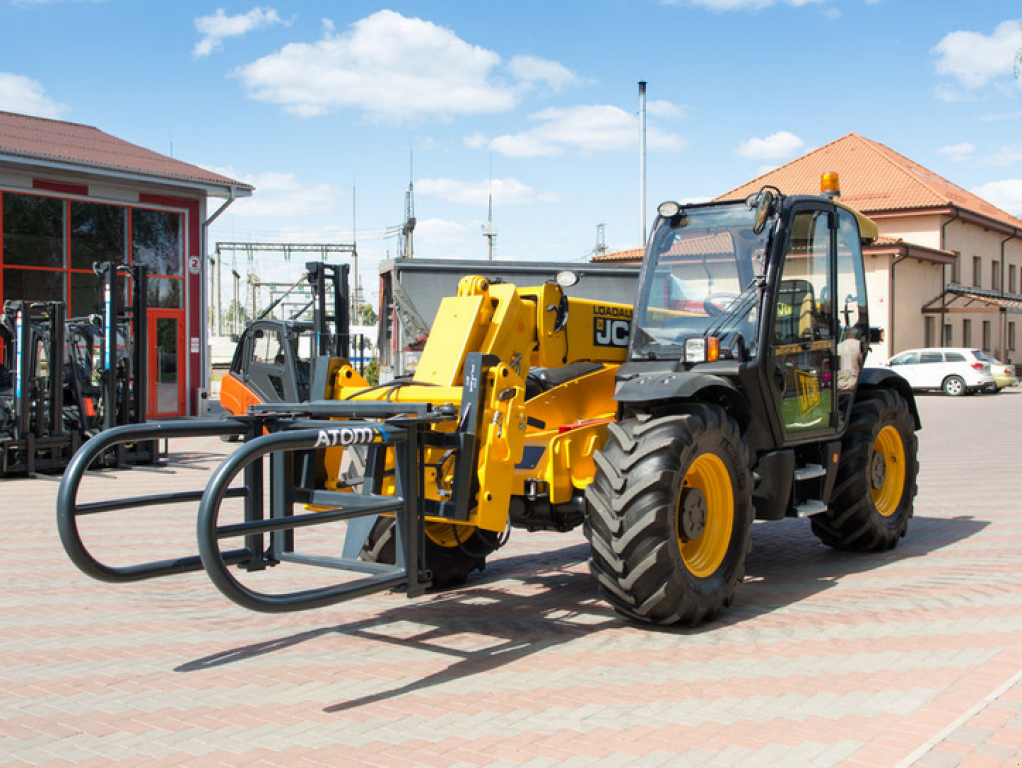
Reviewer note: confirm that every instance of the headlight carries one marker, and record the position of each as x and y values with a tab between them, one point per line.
702	349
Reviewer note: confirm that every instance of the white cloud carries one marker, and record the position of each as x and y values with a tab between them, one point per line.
27	96
951	95
531	70
1006	195
741	5
476	141
282	195
218	26
993	117
593	128
958	153
974	59
508	191
1005	154
777	145
395	68
442	232
665	109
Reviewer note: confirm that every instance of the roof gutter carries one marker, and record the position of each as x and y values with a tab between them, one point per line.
210	186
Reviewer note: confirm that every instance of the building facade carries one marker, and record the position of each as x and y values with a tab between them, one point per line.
70	196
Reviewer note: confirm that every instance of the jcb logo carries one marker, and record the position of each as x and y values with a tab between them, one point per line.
331	438
611	333
808	391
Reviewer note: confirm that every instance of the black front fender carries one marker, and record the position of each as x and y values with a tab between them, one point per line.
667	385
871	378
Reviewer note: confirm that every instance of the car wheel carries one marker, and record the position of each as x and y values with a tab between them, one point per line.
954	386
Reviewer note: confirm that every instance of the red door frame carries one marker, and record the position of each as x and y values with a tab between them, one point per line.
152	362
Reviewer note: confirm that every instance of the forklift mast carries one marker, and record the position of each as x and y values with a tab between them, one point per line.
123	377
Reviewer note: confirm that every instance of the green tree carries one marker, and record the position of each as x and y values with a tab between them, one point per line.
372	372
366	314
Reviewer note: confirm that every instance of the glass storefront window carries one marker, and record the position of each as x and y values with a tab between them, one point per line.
157	242
33	231
165	292
98	233
33	284
86	298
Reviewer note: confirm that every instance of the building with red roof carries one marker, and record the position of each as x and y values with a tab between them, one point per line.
946	269
72	195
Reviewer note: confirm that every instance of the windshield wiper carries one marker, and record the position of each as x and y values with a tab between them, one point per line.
743	303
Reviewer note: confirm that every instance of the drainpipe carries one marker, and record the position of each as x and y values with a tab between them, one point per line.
892	311
204	246
943	291
204	361
1002	312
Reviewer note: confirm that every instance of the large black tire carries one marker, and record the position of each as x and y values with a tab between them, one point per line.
651	555
452	552
876	478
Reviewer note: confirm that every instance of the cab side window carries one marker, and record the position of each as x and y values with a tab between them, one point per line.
803	301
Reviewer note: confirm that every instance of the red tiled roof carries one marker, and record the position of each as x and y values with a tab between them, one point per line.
874	178
83	145
632	254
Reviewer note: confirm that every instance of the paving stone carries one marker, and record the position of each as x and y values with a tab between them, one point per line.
826	660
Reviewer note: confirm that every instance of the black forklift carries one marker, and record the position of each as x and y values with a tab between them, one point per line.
63	381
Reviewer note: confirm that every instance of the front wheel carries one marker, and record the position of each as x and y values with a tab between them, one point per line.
954	386
876	477
669	515
452	551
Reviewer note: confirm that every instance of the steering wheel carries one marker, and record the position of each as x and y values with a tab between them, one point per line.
716	303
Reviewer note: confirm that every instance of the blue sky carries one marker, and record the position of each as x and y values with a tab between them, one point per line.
311	101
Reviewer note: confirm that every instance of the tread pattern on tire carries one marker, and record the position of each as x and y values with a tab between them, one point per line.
851	521
632	523
450	565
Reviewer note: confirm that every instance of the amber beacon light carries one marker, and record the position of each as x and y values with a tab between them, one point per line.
829	185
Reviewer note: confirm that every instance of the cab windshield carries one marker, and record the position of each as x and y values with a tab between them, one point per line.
699	277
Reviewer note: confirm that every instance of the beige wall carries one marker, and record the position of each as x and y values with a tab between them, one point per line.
921	230
980	256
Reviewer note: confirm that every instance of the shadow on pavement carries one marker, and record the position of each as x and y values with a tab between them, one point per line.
529	603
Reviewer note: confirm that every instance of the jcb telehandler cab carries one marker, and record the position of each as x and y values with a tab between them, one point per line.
735	390
744	396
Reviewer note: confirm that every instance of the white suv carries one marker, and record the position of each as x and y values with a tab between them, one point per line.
956	370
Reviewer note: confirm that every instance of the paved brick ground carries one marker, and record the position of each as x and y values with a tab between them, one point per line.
905	658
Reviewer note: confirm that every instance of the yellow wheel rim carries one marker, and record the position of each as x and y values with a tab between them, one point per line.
445	534
706	494
887	471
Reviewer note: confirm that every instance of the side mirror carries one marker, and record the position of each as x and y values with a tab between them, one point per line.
764	207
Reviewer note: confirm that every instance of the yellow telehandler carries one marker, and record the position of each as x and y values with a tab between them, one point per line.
733	390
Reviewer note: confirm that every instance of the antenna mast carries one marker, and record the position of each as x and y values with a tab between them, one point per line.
409	225
489	233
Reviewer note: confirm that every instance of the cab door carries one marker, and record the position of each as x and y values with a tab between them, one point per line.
802	344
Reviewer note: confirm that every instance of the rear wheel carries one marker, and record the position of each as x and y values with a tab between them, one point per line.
954	386
669	515
876	478
452	551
